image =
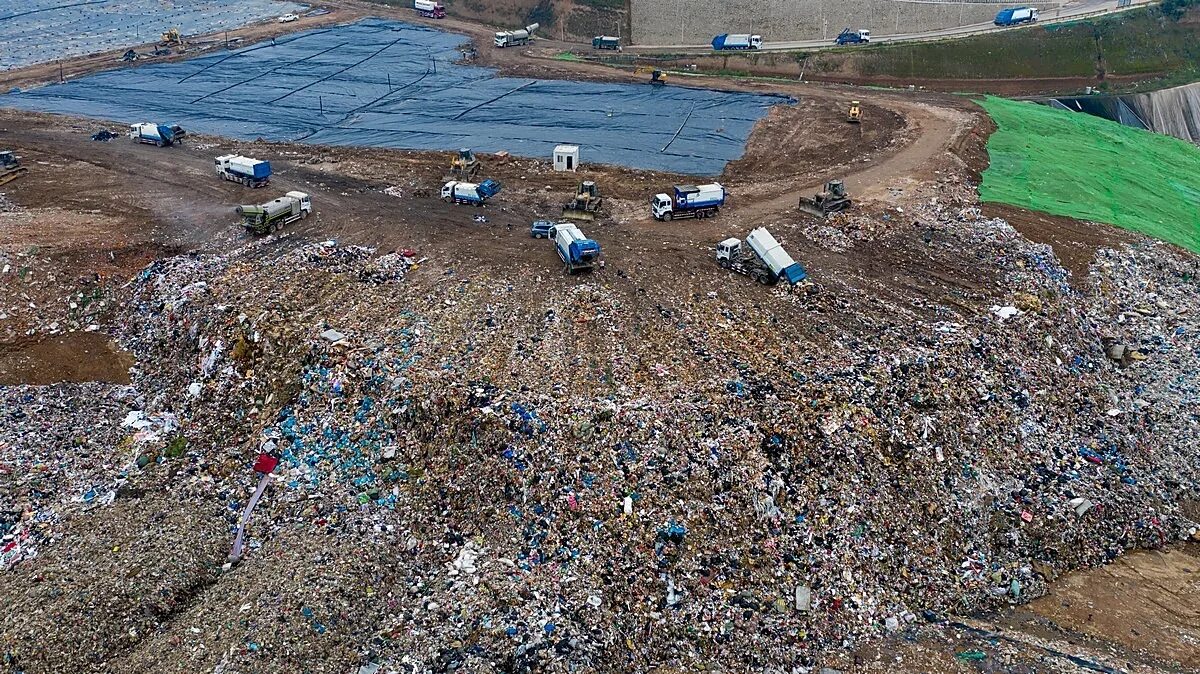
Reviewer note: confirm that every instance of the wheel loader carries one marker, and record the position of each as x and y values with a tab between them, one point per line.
585	204
10	166
657	77
855	114
832	200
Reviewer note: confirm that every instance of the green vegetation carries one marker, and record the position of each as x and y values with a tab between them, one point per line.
1151	44
1085	167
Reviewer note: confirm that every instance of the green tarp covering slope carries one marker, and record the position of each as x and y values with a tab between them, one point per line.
1085	167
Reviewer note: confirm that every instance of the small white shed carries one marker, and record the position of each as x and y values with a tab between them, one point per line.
566	158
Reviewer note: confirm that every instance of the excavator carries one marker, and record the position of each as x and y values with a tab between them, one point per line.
855	114
465	166
832	200
10	166
585	204
172	38
657	77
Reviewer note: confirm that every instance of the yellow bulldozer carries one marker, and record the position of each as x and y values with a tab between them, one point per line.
10	166
855	114
585	204
465	165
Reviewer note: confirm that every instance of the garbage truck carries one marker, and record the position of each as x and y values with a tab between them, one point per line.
689	201
515	38
850	36
730	42
606	42
429	9
1016	16
577	252
244	170
269	217
761	258
470	193
161	135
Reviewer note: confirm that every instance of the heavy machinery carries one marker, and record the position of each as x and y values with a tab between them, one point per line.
269	217
585	204
657	77
762	259
244	170
832	200
172	38
10	166
688	201
515	38
855	114
465	166
577	252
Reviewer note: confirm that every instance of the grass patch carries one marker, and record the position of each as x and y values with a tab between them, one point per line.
1085	167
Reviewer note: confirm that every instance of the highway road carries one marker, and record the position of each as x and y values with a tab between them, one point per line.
1071	12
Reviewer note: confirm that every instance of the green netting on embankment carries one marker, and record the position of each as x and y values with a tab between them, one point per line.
1085	167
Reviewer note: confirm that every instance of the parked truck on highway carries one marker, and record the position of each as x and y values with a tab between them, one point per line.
429	9
470	193
161	135
244	170
606	42
515	38
729	42
849	36
577	252
761	258
1016	16
689	201
269	217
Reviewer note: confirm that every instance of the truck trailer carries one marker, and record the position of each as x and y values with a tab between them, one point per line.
1016	16
244	170
577	252
729	42
761	258
689	201
470	193
269	217
429	9
160	135
515	38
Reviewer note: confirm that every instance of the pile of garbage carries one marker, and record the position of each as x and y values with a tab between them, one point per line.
470	473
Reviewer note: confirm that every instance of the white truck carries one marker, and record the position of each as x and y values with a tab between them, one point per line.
269	217
689	201
762	259
515	38
244	170
430	9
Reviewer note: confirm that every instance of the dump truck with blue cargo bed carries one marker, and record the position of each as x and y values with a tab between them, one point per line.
470	193
606	42
761	258
269	217
732	42
577	252
244	170
156	134
849	36
689	201
1016	16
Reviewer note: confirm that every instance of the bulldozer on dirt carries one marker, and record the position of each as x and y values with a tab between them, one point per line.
464	166
855	114
657	77
172	38
10	166
585	204
832	200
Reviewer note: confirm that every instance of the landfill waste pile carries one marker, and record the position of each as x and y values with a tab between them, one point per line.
429	468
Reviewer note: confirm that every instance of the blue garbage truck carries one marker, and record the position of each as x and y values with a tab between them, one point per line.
1016	16
731	42
470	193
577	252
